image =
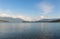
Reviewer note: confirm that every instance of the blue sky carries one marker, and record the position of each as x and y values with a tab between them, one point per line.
31	8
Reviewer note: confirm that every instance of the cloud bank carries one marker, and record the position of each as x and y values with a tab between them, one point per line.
45	7
8	13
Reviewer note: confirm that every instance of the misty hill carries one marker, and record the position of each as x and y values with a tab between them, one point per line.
49	20
58	20
44	20
10	19
17	20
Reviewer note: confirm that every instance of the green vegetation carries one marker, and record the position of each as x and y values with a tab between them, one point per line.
56	20
3	21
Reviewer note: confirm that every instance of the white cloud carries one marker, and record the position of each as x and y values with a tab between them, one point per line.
39	17
24	17
45	7
8	13
16	16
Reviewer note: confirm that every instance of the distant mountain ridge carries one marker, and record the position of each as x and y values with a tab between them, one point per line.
17	20
10	19
58	20
44	20
49	20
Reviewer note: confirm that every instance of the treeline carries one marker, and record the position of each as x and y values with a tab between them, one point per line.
4	21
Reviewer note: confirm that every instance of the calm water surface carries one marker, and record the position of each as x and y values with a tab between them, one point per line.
29	30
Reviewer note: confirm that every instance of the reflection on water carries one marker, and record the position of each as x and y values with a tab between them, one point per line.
13	27
29	30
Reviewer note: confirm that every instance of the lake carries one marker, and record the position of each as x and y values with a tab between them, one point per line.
29	30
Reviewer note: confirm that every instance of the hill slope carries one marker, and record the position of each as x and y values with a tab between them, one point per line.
10	19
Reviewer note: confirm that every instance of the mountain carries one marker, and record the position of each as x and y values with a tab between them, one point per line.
58	20
49	20
18	20
43	20
10	19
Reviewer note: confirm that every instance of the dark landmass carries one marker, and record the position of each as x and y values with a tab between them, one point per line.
33	21
3	21
18	20
11	20
58	20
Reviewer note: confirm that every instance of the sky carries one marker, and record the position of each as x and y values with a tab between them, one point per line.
30	9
